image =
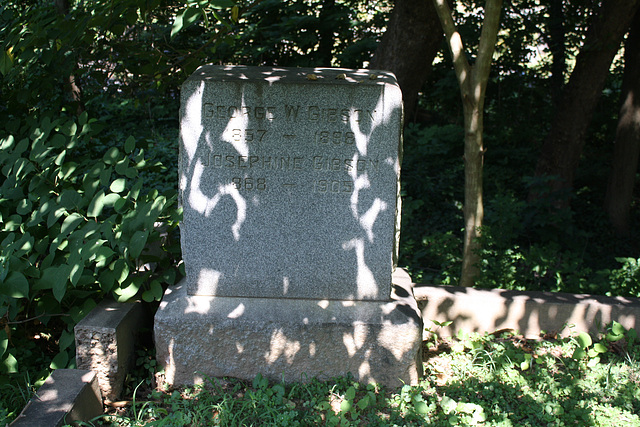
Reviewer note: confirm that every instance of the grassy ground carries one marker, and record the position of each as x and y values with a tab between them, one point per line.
500	379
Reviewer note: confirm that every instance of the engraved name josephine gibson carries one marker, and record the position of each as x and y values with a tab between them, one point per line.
290	163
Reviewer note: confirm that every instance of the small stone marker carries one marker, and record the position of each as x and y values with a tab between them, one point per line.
289	181
105	341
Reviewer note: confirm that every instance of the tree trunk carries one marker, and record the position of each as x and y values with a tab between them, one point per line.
326	36
557	48
473	84
62	6
561	150
71	85
473	203
627	144
408	47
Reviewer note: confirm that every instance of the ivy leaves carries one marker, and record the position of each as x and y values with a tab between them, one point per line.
197	9
75	229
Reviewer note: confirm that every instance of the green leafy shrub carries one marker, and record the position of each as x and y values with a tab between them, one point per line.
74	230
624	280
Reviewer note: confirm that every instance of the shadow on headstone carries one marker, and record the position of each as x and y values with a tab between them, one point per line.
289	181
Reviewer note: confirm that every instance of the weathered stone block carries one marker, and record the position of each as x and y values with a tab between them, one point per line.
105	341
66	397
289	339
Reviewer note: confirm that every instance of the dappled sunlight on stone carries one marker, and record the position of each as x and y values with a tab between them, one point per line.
169	363
236	126
354	341
191	123
205	205
356	122
237	312
368	219
394	339
197	199
360	182
281	347
364	370
365	281
288	237
211	278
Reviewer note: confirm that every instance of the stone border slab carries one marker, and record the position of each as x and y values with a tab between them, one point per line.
67	396
105	341
489	310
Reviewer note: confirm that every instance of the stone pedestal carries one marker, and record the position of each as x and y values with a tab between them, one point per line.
290	339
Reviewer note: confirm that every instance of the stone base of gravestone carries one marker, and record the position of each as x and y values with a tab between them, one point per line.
290	339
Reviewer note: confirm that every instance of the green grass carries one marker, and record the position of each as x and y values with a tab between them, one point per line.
489	380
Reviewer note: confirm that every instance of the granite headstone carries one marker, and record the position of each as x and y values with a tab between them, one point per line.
288	180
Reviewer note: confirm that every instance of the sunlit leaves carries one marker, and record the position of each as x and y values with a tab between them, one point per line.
111	156
6	62
9	364
118	185
197	9
70	223
4	342
235	11
60	360
137	243
126	294
184	19
584	339
15	285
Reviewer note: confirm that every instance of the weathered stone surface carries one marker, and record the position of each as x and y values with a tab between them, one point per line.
290	339
529	313
289	182
105	341
67	396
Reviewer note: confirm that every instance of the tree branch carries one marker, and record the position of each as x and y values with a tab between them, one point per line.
460	63
17	322
486	47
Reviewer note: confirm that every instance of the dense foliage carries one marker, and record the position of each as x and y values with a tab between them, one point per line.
88	147
528	243
84	206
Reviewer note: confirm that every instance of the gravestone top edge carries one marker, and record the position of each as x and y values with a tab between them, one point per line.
281	75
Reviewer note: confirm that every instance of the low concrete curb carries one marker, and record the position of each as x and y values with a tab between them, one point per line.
489	310
68	395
